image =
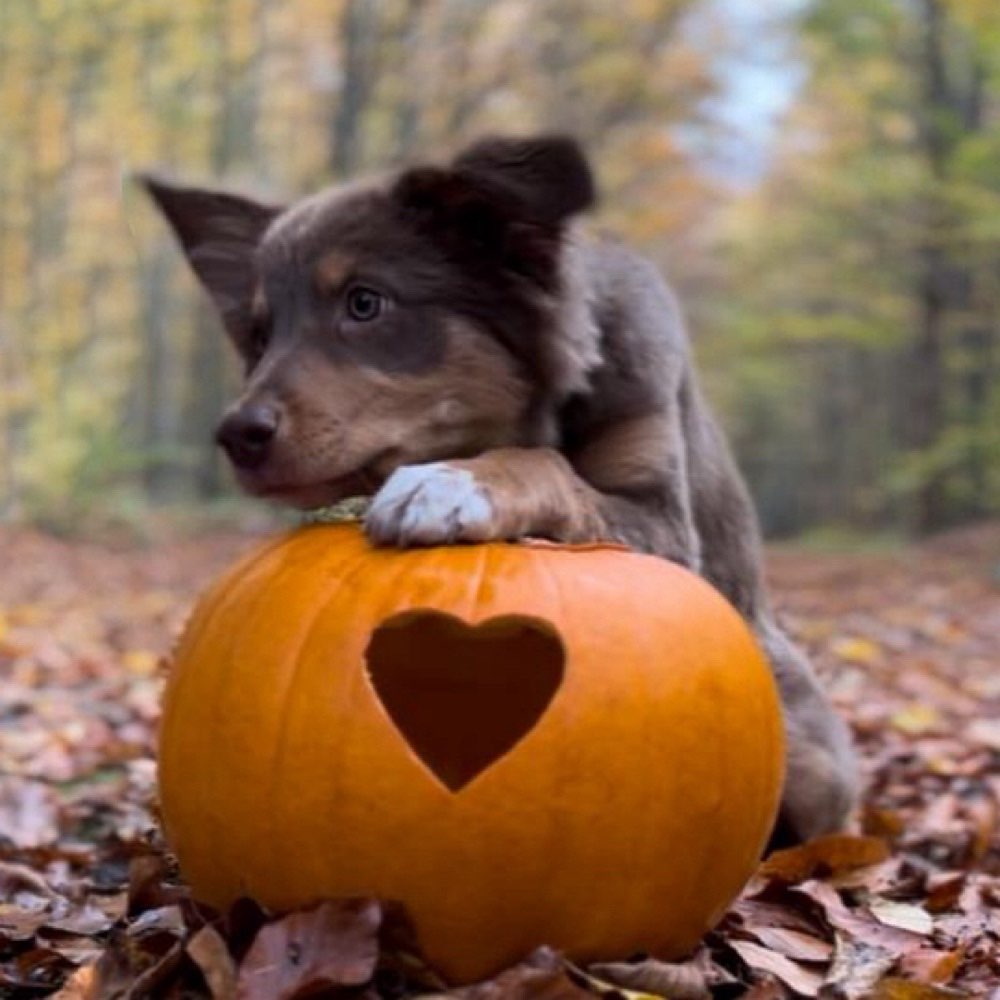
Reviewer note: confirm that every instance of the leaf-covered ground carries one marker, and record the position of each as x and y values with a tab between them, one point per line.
906	907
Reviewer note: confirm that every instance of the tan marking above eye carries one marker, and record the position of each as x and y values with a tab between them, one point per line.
331	271
258	304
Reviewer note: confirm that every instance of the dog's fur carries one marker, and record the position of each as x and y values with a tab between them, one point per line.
519	378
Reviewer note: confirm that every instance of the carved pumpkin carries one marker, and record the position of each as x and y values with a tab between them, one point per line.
526	744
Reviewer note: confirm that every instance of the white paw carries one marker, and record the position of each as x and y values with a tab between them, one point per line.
430	504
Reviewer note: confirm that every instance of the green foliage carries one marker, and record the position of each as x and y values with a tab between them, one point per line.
884	195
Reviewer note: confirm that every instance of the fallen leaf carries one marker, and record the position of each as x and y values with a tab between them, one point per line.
917	718
856	649
80	986
543	976
930	965
767	988
794	944
857	923
146	888
986	732
17	880
882	822
804	981
29	812
829	855
677	980
856	969
208	951
944	891
33	971
333	945
86	919
906	916
903	989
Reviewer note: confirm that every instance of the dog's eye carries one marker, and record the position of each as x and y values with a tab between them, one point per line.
364	304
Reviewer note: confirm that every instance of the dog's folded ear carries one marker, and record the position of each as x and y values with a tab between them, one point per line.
219	233
548	176
508	199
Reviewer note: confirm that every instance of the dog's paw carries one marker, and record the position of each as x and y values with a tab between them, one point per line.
432	504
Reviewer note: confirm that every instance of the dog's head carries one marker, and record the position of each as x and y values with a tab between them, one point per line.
387	322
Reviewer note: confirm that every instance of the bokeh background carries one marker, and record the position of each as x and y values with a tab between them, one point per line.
820	179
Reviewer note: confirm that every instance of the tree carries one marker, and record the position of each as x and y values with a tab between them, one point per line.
867	264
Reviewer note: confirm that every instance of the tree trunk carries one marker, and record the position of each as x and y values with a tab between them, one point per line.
925	387
232	141
357	31
408	107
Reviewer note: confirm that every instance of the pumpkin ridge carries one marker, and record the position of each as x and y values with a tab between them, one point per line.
278	761
232	660
209	606
235	581
476	588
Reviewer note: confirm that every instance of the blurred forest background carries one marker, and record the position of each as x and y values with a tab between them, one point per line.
819	178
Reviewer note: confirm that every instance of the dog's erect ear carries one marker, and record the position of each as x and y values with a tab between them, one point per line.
219	233
547	175
505	199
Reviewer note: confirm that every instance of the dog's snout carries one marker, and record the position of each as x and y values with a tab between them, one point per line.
246	434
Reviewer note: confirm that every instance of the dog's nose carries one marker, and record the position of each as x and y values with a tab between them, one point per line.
246	434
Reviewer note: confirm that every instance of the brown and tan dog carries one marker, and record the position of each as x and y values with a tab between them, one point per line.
449	340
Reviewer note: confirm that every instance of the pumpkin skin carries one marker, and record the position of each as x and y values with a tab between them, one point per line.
626	819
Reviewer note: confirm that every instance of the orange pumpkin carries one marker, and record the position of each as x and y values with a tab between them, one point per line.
526	744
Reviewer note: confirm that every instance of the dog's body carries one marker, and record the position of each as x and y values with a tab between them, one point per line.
449	340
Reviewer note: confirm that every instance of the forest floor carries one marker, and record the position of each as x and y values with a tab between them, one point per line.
907	906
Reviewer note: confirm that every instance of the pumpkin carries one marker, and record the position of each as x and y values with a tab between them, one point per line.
526	744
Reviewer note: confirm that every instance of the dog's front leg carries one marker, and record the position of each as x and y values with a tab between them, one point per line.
514	493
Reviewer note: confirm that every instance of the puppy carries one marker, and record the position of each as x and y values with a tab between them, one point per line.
450	340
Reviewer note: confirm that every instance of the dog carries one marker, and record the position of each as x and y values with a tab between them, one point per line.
451	340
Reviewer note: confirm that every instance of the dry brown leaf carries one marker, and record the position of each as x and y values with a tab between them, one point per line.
36	970
829	855
794	944
133	967
543	976
858	923
146	884
878	822
767	988
80	986
676	980
754	913
85	919
905	916
930	965
209	952
335	944
18	880
802	980
983	814
29	812
902	989
944	891
856	649
857	968
917	719
985	732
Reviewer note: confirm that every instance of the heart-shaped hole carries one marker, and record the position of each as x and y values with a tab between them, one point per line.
461	695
